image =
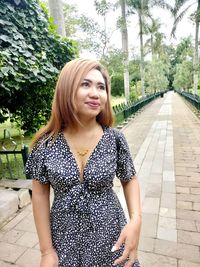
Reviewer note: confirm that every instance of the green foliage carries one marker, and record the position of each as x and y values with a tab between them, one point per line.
91	35
94	37
30	58
72	19
113	61
156	76
103	7
133	94
134	71
183	77
184	50
117	84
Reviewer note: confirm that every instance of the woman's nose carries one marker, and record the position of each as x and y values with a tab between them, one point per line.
94	91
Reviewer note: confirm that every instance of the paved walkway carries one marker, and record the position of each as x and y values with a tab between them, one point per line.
165	142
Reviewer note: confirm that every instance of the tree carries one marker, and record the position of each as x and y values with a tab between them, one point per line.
181	7
184	50
154	43
112	61
125	48
156	76
183	78
92	37
72	20
56	11
88	33
176	55
142	9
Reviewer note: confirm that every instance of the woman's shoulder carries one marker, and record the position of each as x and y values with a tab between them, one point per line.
43	142
115	131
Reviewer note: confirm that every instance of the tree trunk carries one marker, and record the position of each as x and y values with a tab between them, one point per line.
56	11
196	54
152	47
105	36
125	49
141	52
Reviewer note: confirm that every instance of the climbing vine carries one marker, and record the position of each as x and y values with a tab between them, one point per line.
31	55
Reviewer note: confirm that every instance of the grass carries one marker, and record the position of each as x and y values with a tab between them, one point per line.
11	166
117	100
11	127
15	134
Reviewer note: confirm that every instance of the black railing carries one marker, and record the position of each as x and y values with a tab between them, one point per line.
122	111
192	98
12	161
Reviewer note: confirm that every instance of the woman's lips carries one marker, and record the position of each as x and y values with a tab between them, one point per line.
93	104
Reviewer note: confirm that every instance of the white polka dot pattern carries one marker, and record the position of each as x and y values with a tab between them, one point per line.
86	218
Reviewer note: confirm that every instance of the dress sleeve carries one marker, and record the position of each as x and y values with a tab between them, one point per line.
125	167
35	165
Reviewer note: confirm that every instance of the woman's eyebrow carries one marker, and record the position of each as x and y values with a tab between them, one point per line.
90	81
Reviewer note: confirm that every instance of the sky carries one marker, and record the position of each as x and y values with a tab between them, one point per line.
184	29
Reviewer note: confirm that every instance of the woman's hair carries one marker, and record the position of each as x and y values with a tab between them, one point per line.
64	109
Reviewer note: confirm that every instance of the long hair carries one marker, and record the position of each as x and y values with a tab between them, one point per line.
64	109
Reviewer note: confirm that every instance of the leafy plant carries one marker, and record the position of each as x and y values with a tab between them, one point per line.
30	58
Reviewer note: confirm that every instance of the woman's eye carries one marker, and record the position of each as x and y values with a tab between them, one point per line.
85	84
102	87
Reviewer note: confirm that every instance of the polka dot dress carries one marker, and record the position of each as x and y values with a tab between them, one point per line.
86	218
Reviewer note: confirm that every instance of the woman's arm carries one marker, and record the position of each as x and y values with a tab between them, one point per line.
132	195
130	233
41	212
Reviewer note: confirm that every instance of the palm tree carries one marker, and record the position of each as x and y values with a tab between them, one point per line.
56	11
125	49
180	9
154	43
142	9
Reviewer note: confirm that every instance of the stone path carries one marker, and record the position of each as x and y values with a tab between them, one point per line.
165	143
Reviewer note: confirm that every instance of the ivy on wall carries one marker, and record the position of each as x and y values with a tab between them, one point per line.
31	55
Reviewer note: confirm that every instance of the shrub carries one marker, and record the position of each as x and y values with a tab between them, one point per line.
31	55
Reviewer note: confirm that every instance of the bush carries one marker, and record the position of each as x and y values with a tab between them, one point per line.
30	58
133	94
117	85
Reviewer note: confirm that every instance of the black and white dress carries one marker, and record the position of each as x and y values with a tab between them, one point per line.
86	218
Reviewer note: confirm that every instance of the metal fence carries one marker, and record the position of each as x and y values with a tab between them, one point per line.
193	99
12	160
122	111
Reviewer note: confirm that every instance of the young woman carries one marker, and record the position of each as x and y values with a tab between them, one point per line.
78	154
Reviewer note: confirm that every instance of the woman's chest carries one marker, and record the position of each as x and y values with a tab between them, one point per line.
100	167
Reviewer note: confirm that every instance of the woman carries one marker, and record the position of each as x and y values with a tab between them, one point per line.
78	154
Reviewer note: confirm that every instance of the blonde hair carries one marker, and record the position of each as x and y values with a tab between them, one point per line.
64	109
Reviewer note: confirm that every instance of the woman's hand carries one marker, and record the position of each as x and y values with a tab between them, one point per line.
49	259
130	237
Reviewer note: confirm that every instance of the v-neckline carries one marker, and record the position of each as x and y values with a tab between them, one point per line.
82	179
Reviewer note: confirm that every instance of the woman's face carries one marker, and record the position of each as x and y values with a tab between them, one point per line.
91	96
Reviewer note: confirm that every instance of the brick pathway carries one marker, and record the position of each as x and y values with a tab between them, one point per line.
165	142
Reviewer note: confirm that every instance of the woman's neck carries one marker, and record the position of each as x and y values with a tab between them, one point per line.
85	126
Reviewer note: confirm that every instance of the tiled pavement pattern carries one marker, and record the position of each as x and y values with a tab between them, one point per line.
165	142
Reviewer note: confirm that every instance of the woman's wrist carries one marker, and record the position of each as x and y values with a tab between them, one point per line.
47	251
135	217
